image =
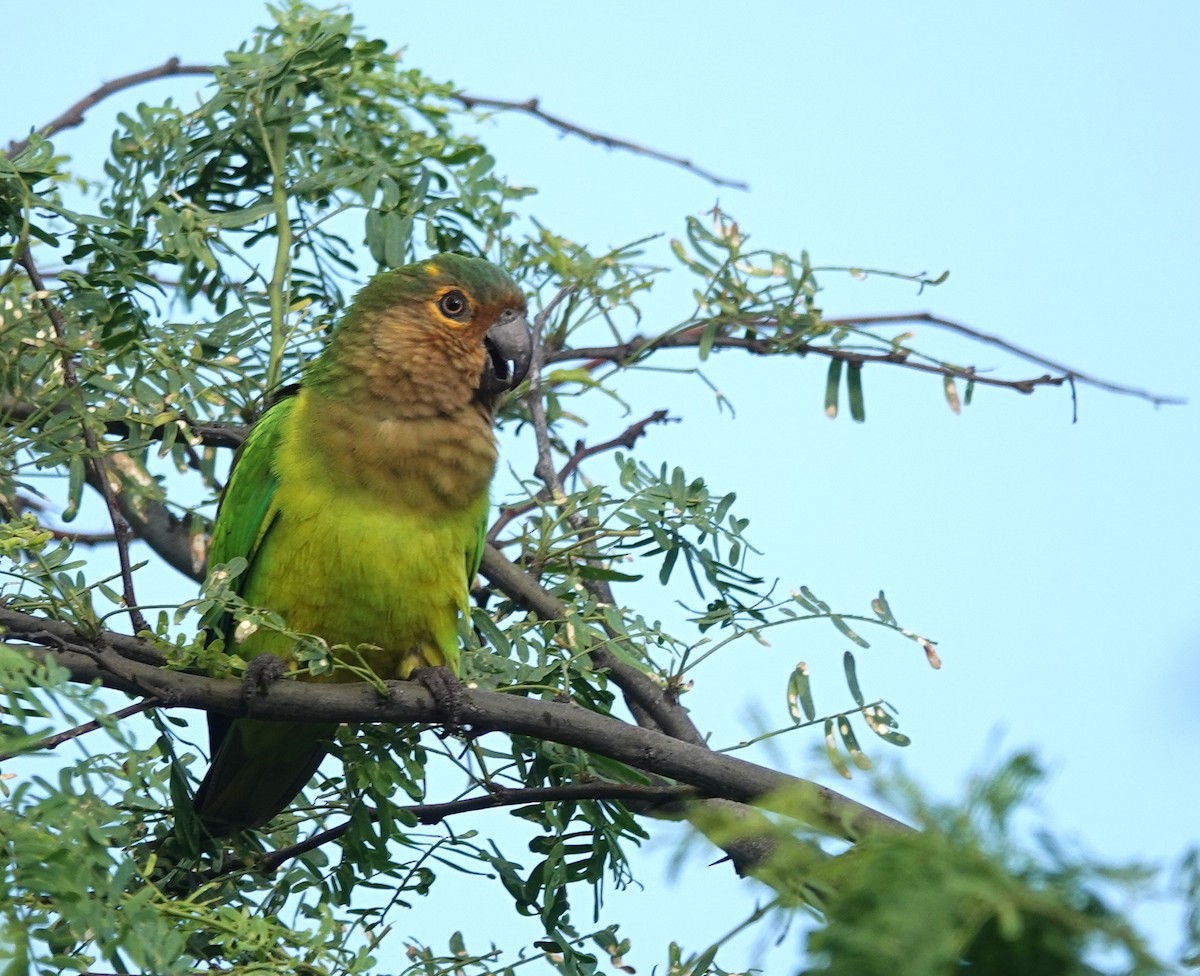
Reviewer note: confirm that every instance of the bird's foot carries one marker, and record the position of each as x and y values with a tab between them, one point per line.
262	672
448	695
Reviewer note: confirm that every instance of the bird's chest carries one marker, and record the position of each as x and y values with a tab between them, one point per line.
357	555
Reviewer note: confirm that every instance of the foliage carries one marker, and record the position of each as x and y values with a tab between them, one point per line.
195	278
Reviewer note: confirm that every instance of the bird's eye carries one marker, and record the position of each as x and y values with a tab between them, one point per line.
453	304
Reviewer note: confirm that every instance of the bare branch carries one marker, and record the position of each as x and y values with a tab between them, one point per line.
54	741
533	399
1069	374
75	114
692	336
83	538
638	346
432	813
533	107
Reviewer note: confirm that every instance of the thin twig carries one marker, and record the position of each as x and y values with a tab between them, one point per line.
544	468
75	114
638	346
210	434
94	460
533	107
993	340
54	741
83	538
627	438
432	813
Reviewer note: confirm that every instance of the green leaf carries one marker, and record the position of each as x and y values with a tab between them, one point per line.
851	670
854	393
831	750
812	598
858	757
881	609
799	694
240	218
585	571
884	726
832	381
77	470
844	627
664	573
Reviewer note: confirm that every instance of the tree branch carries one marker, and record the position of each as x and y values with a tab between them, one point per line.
94	463
103	658
533	107
74	116
866	321
638	346
641	690
214	434
432	813
54	741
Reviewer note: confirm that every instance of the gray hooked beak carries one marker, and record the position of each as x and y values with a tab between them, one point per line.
509	348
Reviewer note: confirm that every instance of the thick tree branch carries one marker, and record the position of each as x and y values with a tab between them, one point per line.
100	658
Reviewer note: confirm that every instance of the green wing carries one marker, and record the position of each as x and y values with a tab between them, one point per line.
247	512
257	767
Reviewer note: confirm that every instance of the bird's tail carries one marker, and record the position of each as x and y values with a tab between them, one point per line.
257	769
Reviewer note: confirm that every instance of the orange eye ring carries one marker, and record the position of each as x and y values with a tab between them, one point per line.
454	305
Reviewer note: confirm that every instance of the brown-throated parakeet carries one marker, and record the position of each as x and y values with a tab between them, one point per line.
359	502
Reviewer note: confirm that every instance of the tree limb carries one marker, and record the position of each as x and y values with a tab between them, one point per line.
54	741
638	346
122	662
865	321
432	813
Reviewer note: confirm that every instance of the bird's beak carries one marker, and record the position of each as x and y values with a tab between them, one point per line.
509	348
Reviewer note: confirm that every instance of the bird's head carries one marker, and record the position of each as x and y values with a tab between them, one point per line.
443	332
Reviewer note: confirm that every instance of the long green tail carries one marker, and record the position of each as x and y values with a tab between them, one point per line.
257	769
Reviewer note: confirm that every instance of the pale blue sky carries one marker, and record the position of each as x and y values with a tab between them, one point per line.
1046	154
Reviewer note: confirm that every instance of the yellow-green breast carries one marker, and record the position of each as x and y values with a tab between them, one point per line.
374	531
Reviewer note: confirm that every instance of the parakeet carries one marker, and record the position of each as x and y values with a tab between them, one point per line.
360	501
